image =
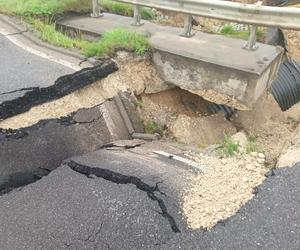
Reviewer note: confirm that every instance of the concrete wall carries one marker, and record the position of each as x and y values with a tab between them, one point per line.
216	83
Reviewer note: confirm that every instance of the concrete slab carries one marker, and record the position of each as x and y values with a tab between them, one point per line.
204	64
210	48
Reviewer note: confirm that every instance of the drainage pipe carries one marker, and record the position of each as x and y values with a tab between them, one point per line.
286	88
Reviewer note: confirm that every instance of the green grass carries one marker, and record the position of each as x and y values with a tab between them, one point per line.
124	9
253	145
47	8
229	147
228	30
111	40
151	127
118	39
49	34
43	7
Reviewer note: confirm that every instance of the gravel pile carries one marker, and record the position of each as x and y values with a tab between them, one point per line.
225	186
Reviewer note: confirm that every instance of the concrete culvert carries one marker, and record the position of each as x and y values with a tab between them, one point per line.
286	88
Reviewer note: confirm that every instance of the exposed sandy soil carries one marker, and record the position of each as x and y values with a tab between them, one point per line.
164	107
269	125
225	186
292	38
135	75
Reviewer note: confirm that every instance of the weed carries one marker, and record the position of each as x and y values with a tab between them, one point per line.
139	104
253	145
124	9
228	30
48	8
151	127
229	147
118	39
49	34
43	7
112	40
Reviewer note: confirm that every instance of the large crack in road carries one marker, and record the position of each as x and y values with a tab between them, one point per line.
64	85
124	179
30	153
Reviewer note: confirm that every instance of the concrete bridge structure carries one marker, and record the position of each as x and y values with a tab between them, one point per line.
218	68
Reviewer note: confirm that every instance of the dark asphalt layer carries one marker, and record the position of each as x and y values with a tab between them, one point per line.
66	209
21	69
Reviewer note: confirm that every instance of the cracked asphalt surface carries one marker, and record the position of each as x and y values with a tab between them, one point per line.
77	208
21	69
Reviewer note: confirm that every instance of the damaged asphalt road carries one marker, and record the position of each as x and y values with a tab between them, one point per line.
124	199
108	199
21	69
28	80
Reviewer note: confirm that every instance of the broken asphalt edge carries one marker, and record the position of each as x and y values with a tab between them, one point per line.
63	86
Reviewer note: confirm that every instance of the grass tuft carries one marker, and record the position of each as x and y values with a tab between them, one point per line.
228	30
253	146
151	127
229	147
124	9
111	40
43	7
118	39
48	8
49	34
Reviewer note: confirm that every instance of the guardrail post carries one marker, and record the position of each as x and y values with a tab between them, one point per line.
188	24
137	16
96	9
251	43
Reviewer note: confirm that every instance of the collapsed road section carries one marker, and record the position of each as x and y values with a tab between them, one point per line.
29	153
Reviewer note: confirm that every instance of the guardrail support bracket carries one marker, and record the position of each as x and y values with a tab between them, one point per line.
137	16
188	24
251	43
96	9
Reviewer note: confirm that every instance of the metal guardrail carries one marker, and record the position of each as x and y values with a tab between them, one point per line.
252	14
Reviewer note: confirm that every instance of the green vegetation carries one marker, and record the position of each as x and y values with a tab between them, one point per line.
228	30
151	127
116	39
48	8
253	146
43	7
124	9
49	34
41	15
139	104
229	147
111	40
